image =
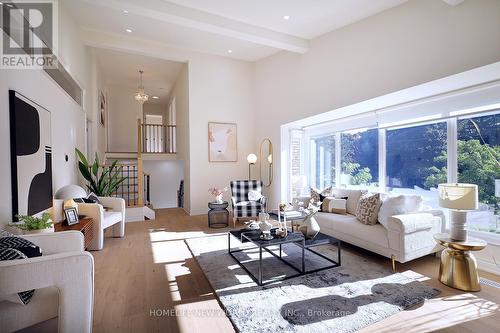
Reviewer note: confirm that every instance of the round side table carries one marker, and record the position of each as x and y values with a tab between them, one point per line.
458	268
218	215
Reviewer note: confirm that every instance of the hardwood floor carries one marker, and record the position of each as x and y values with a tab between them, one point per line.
149	282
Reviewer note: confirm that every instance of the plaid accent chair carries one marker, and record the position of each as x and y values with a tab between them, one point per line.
242	207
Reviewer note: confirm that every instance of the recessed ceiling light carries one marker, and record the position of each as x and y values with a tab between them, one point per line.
229	51
156	97
286	17
128	30
125	11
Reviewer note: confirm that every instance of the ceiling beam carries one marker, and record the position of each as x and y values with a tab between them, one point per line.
168	12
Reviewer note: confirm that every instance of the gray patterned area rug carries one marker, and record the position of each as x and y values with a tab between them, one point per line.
341	299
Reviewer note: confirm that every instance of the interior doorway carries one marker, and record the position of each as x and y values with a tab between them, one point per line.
154	119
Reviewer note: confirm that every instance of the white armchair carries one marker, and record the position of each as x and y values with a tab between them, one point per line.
114	217
63	279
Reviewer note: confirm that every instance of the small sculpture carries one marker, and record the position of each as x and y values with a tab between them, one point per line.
265	226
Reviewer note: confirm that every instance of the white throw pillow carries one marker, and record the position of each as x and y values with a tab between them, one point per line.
413	203
254	195
390	207
353	197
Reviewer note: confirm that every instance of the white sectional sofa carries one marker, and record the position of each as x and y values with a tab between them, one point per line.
406	237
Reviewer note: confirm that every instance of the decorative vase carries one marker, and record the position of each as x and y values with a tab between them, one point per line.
265	226
58	210
309	227
219	199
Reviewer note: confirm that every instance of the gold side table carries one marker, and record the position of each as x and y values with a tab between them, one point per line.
458	268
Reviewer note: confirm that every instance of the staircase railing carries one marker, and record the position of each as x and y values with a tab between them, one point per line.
158	138
130	189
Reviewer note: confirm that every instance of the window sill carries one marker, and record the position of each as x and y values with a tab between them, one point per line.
489	237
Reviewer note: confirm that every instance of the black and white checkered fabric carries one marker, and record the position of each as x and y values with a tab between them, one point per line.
14	247
12	254
242	207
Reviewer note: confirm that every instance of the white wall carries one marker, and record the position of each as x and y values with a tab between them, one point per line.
414	43
165	179
123	112
97	131
180	92
227	98
67	117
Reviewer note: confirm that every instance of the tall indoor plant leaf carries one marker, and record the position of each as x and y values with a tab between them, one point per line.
101	180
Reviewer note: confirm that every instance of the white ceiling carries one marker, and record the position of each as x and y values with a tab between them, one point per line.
122	69
252	29
308	18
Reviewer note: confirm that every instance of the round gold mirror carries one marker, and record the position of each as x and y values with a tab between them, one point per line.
266	162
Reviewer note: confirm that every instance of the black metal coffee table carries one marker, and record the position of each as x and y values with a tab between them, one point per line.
254	237
297	238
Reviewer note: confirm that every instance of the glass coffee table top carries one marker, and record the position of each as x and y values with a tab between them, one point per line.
254	237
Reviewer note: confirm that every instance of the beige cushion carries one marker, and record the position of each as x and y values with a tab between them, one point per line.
333	205
368	207
353	197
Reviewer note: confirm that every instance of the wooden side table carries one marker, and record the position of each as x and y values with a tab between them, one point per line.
458	268
84	226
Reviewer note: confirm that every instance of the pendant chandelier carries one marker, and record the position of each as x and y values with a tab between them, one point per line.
140	95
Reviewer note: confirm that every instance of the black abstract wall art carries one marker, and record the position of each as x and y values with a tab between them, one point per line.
31	156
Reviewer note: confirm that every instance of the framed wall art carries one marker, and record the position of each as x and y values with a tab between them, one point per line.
222	142
31	156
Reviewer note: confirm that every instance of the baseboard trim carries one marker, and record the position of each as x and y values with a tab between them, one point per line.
488	266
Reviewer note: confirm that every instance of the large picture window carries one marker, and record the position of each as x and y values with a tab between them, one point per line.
359	157
478	156
416	160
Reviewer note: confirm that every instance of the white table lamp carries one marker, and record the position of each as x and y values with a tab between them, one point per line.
459	198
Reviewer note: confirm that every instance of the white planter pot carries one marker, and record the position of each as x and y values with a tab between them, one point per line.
39	231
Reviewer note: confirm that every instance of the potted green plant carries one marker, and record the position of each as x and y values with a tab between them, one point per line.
102	180
34	225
